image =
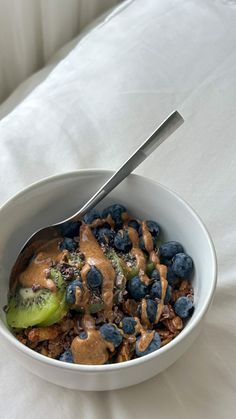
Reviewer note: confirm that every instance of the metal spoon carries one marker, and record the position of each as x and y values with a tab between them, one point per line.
167	127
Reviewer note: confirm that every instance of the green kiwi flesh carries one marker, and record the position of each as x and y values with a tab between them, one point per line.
42	307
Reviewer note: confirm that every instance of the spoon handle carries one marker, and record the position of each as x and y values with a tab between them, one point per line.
165	129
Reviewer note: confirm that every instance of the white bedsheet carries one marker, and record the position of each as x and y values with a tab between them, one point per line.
93	110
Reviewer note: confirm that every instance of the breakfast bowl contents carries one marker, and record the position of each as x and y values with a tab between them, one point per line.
106	291
45	328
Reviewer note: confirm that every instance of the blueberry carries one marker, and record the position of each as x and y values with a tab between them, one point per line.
134	224
71	289
70	229
128	325
169	249
68	244
111	333
90	216
156	289
122	241
67	356
136	288
116	211
155	276
142	244
83	335
165	261
106	236
153	346
106	225
95	231
183	307
154	228
182	265
171	277
94	278
151	310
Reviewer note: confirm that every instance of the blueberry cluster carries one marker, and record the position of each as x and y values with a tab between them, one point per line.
113	236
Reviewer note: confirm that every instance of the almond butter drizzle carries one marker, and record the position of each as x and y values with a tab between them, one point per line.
78	295
154	258
94	349
147	237
84	301
138	254
160	307
141	262
140	258
144	342
133	235
95	256
126	218
35	273
163	272
124	352
138	326
87	322
144	316
145	339
99	222
146	335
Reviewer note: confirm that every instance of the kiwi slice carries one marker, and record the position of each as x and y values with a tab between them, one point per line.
43	307
62	306
28	308
75	259
56	315
119	267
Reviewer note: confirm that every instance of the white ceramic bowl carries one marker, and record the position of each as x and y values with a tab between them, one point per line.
56	198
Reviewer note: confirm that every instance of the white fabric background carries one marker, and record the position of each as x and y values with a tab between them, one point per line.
92	111
31	31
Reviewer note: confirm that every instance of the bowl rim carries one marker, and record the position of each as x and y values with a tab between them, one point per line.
137	361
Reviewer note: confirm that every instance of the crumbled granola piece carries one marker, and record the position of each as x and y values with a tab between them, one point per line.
185	285
174	325
21	338
66	324
100	318
55	348
167	312
39	334
44	351
126	351
130	307
117	315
